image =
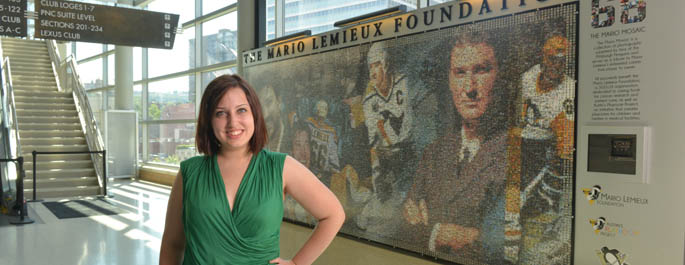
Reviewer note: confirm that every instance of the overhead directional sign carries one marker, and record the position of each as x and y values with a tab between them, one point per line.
12	18
77	21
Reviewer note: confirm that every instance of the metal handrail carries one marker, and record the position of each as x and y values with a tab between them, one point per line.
7	77
69	78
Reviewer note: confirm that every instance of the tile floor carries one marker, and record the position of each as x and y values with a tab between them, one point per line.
130	238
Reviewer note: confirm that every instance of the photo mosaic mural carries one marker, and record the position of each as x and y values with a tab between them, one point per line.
456	143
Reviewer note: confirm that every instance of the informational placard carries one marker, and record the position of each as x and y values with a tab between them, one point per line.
618	59
12	20
630	100
76	21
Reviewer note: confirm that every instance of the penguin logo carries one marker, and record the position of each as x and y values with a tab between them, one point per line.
611	257
592	194
598	224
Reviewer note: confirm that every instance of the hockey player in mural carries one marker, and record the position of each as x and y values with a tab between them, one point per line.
388	118
546	154
323	143
461	172
548	104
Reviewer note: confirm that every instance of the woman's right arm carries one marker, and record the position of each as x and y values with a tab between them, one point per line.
173	240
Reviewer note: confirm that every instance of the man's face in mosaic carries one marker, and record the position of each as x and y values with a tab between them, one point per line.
473	70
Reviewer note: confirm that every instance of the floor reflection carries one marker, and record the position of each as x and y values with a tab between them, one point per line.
130	238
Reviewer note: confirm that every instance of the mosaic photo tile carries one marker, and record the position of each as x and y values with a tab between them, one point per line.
456	143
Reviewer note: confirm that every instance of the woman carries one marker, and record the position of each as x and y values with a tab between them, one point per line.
226	207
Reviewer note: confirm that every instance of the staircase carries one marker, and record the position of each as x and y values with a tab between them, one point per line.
48	122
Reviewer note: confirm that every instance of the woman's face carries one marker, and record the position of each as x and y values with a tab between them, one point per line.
473	70
232	120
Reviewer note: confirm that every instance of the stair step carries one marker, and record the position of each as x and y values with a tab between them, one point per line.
69	157
56	164
45	193
54	148
33	75
48	133
49	126
61	182
15	51
25	52
44	74
28	71
54	119
48	100
30	68
36	61
38	84
35	89
18	46
45	106
22	42
31	72
60	172
25	63
53	140
22	79
42	94
42	59
33	82
42	112
35	57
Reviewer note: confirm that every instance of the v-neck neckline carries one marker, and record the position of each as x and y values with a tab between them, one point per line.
240	185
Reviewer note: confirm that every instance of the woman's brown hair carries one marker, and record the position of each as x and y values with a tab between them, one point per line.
205	140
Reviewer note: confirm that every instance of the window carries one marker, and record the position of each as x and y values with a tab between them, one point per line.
168	81
208	6
137	63
85	50
138	107
171	142
185	9
209	76
319	16
181	58
95	100
90	74
220	39
111	99
138	101
172	99
110	70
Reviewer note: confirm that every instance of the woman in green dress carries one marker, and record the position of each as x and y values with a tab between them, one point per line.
226	207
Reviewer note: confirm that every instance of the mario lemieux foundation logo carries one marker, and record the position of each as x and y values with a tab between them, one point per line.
596	195
612	256
598	224
602	227
592	194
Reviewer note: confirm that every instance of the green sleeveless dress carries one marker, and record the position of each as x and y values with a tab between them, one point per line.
247	234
